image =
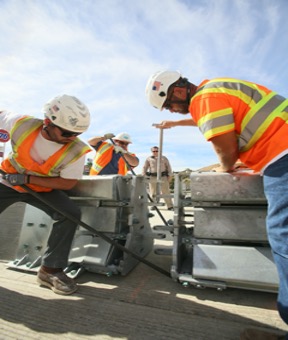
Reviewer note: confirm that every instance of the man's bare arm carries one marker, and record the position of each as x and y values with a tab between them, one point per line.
167	124
226	148
94	140
53	182
131	159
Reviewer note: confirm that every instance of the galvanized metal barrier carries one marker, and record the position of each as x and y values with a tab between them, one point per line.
114	205
219	232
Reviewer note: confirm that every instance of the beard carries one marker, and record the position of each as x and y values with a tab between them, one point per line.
183	109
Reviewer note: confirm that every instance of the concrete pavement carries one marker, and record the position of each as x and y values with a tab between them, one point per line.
145	304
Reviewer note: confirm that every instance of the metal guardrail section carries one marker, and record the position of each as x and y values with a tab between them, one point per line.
242	186
220	235
219	232
115	205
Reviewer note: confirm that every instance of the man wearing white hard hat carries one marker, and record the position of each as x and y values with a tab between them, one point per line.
242	120
112	158
48	157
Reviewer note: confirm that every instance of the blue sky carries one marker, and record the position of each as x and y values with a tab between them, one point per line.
103	52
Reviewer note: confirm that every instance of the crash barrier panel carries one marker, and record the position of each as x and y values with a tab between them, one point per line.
218	228
220	235
114	205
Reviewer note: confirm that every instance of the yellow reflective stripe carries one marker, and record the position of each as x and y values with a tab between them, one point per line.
236	93
97	167
219	130
21	133
256	108
17	166
277	113
246	83
59	161
104	148
23	128
213	115
216	122
247	92
74	151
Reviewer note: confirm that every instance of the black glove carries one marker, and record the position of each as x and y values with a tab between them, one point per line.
16	179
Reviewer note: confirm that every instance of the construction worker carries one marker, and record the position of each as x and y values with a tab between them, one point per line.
150	170
48	157
242	120
112	158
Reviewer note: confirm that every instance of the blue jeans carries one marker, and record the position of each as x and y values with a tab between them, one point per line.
276	191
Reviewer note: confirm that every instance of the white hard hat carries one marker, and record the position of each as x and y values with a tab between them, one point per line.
158	85
123	136
68	113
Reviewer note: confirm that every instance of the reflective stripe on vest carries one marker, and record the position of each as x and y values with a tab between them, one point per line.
247	92
20	131
103	157
211	125
262	109
259	118
20	160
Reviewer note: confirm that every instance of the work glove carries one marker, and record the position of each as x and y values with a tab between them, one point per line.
119	149
16	179
108	136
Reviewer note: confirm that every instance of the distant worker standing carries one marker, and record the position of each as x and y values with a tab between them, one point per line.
150	170
109	158
242	120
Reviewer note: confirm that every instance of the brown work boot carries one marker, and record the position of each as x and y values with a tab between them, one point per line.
59	282
257	334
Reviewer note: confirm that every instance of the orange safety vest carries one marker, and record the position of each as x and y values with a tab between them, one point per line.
258	116
23	136
103	157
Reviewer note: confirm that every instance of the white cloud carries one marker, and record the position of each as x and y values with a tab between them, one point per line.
104	51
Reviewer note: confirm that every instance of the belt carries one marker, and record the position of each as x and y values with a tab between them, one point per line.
154	174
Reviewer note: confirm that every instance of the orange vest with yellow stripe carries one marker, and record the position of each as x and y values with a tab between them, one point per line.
258	116
23	136
103	157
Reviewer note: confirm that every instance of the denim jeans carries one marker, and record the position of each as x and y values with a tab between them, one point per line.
276	190
63	230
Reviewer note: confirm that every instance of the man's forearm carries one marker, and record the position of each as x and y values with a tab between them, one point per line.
226	148
132	160
167	124
227	161
93	141
53	182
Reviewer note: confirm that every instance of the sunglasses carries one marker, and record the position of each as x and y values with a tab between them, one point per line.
155	151
122	143
66	133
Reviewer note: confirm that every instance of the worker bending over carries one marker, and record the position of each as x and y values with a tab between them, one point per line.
242	120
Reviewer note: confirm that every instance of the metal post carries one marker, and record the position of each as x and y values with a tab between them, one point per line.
158	186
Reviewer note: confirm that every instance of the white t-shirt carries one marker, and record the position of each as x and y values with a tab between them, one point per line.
42	148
